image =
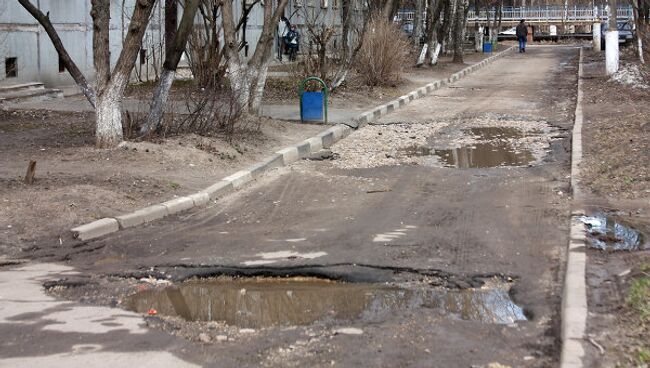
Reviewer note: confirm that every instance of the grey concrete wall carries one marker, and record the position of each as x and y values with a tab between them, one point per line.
22	37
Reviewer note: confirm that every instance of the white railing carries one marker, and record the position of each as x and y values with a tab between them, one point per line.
537	14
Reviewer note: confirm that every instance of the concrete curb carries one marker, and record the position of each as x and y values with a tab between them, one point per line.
574	295
371	115
281	158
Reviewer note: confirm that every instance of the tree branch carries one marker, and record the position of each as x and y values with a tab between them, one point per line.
69	64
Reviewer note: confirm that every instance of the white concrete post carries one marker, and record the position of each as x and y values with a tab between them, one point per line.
595	31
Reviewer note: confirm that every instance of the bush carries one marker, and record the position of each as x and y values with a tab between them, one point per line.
383	54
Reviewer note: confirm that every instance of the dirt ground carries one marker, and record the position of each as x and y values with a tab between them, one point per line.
616	171
76	183
353	94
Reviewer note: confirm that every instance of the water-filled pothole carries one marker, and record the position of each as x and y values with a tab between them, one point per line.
608	234
484	147
265	302
496	146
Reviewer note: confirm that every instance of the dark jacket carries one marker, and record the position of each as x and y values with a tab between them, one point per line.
522	30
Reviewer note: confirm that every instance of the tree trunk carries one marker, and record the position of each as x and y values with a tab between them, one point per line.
247	80
389	10
433	29
108	116
69	64
175	50
446	23
349	53
459	31
611	40
171	18
417	19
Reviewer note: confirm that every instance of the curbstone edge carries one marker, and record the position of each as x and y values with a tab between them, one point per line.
96	229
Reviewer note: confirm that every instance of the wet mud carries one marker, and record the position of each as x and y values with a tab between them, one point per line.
267	302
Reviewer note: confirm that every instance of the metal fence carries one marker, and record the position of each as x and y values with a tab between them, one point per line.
536	14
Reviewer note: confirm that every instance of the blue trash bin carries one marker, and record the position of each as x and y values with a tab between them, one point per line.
312	106
487	46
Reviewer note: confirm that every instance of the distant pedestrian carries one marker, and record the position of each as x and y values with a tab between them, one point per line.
293	42
283	28
522	35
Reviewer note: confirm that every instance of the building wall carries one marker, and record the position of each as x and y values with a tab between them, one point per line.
22	37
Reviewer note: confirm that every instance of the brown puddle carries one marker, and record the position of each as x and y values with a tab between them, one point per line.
265	302
495	148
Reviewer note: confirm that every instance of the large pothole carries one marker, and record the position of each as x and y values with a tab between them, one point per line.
266	302
473	142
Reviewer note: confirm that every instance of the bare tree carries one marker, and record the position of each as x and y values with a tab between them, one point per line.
642	18
110	85
352	36
417	22
459	29
248	78
174	51
431	49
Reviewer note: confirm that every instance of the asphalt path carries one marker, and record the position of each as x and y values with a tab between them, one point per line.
388	223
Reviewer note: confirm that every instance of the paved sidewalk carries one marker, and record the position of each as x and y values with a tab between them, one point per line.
79	103
40	331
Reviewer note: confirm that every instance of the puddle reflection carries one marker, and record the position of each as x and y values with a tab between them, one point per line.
255	304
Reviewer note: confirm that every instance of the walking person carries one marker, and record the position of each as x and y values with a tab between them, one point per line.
293	42
522	35
283	29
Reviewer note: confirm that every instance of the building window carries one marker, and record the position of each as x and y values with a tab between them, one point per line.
323	3
143	56
61	65
11	67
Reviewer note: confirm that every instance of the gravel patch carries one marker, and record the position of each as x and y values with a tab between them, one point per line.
392	144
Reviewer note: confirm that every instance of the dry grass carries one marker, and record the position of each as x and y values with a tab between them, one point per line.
384	54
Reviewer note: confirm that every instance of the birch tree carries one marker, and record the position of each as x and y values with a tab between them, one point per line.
248	78
108	93
174	51
432	47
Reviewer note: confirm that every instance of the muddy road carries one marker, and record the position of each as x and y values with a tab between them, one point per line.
462	193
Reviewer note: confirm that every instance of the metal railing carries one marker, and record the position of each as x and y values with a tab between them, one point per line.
545	14
537	14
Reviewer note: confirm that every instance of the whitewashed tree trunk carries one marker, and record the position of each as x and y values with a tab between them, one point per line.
435	53
611	52
423	55
639	43
108	116
258	92
160	96
478	39
611	40
595	32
